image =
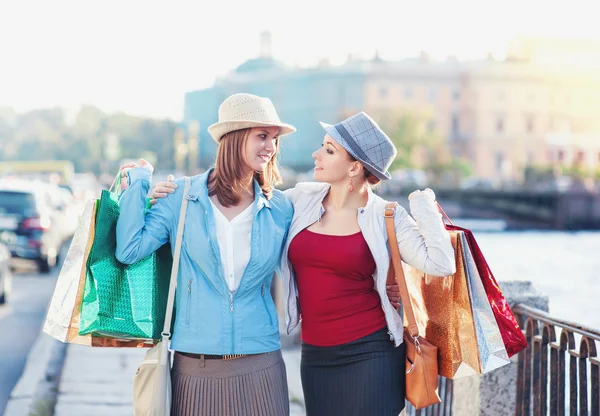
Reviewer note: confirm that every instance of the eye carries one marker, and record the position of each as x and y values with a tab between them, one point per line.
329	151
263	136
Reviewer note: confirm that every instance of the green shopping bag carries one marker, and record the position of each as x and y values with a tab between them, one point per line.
119	300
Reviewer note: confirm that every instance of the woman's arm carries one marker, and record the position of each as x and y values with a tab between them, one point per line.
140	234
424	242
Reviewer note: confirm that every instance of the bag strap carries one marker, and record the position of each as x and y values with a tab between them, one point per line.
444	214
175	269
395	272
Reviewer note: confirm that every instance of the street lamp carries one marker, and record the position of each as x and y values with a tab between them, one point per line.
193	147
180	149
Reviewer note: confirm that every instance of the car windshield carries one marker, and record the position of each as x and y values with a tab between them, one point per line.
12	202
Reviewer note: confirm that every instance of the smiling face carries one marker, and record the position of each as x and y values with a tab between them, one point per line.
261	147
333	163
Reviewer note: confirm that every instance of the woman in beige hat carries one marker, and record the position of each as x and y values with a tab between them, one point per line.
334	269
225	335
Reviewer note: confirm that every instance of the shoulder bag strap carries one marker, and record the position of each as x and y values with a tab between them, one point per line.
176	255
395	271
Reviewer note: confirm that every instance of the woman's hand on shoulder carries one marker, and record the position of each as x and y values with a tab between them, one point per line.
162	189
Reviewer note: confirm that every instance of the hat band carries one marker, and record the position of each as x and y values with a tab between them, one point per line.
352	143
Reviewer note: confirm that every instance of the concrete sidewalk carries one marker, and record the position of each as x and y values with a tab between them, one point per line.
98	381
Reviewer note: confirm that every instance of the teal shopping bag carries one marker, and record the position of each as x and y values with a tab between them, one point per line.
119	300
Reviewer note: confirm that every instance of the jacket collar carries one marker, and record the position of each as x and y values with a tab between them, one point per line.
199	191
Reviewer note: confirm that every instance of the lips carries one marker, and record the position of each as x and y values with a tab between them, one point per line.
266	158
318	168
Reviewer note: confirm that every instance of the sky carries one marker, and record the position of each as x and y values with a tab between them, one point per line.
142	56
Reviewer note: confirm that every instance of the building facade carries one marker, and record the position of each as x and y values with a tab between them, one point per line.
500	116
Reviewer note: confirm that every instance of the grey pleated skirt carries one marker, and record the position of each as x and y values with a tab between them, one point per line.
247	386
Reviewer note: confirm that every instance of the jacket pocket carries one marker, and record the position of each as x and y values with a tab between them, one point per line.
262	293
189	303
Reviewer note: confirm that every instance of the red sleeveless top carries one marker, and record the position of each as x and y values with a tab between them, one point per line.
336	290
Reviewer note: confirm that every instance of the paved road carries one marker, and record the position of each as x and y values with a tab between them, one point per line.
21	320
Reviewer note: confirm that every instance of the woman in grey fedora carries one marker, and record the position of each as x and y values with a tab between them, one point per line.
334	267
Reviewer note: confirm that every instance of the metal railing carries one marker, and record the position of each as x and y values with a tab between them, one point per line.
557	348
442	409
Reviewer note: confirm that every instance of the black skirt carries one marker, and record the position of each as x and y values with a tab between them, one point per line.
361	378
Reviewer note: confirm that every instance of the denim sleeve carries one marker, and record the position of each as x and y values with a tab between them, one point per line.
141	233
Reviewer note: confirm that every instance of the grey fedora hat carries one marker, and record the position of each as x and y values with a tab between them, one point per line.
366	142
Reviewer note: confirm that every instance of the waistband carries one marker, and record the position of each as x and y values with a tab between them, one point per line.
212	356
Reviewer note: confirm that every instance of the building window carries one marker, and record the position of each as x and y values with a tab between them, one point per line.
500	95
500	125
530	158
342	94
383	92
456	95
408	93
499	162
529	127
431	126
561	156
432	94
455	125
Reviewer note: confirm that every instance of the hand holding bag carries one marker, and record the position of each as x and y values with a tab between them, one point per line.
152	381
421	356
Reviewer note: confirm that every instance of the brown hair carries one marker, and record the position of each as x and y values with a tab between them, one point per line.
229	179
371	179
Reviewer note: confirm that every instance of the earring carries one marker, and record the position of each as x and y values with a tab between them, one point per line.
351	186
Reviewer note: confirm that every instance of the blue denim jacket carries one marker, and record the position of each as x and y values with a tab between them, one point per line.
209	318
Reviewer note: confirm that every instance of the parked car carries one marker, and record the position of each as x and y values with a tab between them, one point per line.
5	273
34	221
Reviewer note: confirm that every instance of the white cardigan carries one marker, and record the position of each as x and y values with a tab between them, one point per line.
424	244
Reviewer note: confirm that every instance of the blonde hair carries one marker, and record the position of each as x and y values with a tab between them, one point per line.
230	179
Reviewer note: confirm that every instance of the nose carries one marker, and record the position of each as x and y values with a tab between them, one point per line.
315	154
270	145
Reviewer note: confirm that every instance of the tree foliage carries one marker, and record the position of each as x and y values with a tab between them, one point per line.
45	134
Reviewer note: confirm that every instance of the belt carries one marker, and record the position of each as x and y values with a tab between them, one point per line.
213	357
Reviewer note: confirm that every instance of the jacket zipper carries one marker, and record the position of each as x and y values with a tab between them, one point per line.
231	310
189	301
262	293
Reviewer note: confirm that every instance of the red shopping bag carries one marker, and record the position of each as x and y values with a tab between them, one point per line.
513	337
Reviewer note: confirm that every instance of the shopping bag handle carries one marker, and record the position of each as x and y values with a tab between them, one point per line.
175	268
443	213
116	184
395	271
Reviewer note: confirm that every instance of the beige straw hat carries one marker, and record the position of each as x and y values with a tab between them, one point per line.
241	111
